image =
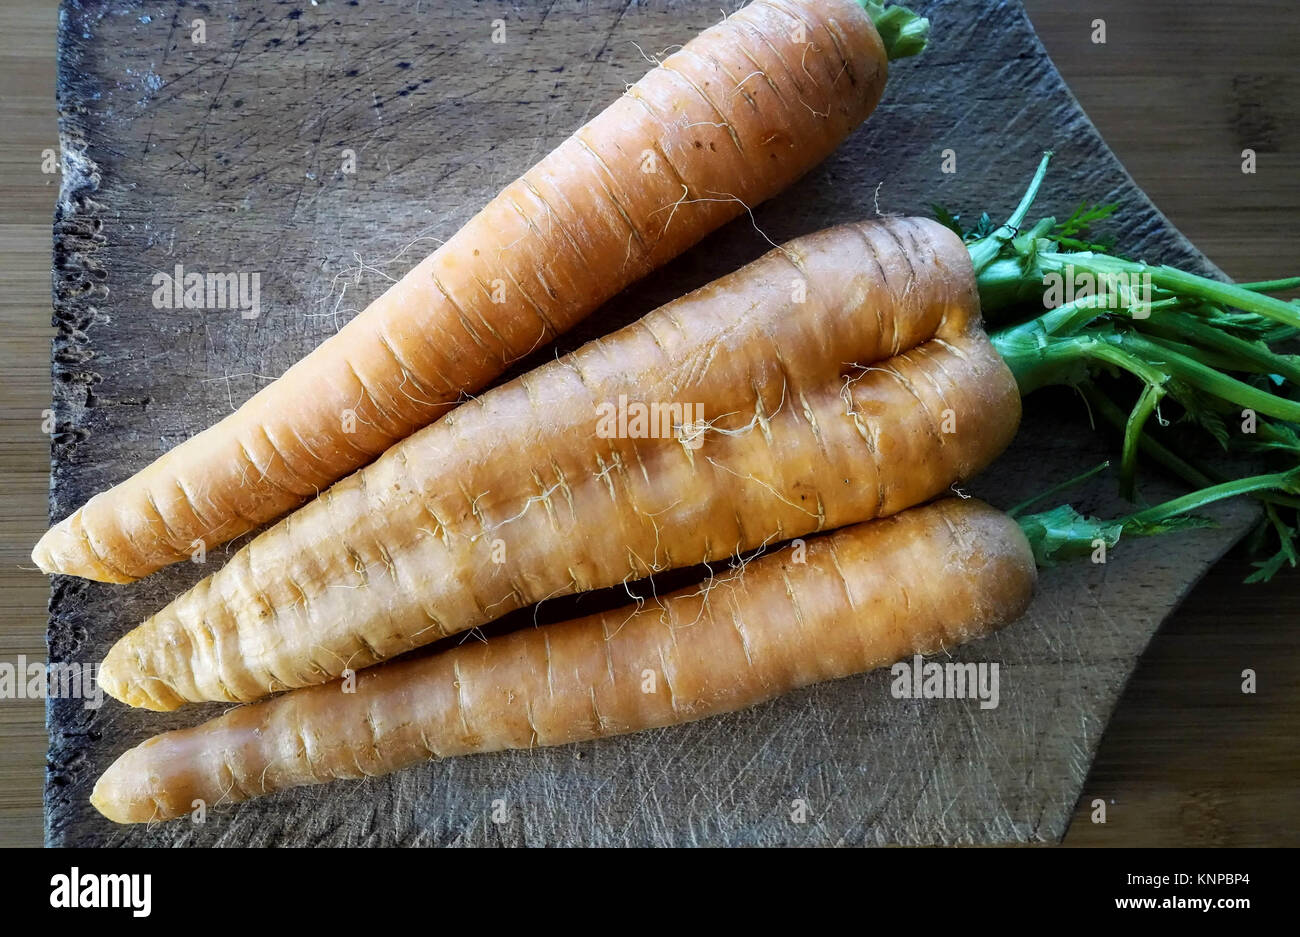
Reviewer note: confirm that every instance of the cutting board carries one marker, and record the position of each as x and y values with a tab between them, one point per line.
233	155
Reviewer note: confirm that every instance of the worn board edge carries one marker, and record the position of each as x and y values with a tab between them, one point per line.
1209	268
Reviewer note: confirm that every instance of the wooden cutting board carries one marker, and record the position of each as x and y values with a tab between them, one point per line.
229	155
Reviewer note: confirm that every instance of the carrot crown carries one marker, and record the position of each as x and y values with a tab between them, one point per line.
903	31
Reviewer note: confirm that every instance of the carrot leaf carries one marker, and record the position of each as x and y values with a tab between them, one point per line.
1064	533
948	219
1079	223
1285	555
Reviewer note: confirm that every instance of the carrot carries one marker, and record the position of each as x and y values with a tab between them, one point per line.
730	120
877	392
862	597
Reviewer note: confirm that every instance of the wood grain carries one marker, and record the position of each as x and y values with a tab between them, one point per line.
1178	91
1154	763
27	33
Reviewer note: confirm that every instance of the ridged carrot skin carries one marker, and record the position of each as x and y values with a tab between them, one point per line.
927	579
877	392
734	117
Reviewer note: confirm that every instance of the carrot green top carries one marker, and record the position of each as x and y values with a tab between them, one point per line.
1222	354
903	31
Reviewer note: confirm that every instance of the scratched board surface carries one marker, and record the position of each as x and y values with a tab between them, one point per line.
235	154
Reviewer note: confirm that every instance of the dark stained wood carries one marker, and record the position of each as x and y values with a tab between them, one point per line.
1177	92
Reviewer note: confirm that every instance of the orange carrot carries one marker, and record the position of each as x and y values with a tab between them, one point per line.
927	579
734	117
876	392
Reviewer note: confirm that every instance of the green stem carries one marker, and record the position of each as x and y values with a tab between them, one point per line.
1272	286
1216	360
1142	410
1098	402
1038	358
1248	356
1063	532
1285	481
1177	281
1161	454
1204	378
903	31
1004	284
984	250
1069	483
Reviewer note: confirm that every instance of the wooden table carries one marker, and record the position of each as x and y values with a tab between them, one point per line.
1175	766
1178	91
